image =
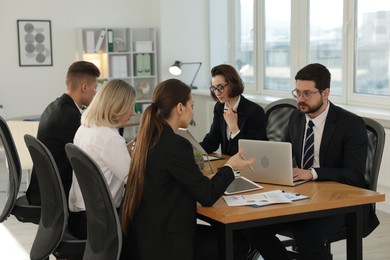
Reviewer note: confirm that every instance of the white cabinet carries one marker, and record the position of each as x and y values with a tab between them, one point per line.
123	53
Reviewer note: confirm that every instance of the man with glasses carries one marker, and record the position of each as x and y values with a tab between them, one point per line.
329	144
61	119
235	117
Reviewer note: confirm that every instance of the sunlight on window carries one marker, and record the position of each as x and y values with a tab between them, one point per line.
277	50
372	73
244	40
326	38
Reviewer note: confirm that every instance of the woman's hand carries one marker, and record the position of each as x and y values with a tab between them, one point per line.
238	162
231	119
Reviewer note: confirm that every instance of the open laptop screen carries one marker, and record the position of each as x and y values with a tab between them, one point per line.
184	132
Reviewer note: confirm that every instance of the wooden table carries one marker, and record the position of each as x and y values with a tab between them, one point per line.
326	199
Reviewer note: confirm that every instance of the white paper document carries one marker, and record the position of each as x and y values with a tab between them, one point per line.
263	198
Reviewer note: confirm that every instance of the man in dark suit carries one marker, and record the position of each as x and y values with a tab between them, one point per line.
339	154
61	119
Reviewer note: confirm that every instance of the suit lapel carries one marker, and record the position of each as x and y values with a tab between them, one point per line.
241	111
223	126
329	130
299	137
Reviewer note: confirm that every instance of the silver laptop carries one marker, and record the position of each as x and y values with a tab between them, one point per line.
184	132
273	162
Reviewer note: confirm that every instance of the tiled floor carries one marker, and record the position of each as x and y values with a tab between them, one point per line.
16	240
16	237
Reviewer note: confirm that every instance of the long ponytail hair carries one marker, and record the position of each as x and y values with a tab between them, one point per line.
166	96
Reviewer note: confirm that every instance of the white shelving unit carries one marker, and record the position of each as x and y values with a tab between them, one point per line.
123	53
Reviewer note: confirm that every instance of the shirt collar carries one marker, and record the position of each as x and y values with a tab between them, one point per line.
80	109
235	106
320	119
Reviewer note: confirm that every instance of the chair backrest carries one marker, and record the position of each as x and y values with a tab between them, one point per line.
277	116
104	235
376	143
7	146
54	211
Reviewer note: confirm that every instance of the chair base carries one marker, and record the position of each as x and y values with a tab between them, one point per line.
26	213
70	247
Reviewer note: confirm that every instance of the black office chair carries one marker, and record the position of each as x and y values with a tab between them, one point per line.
52	236
7	144
376	143
277	116
19	207
104	235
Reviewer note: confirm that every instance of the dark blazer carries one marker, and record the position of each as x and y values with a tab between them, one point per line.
164	224
343	151
57	127
251	121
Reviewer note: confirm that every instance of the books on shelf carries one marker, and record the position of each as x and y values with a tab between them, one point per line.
119	66
90	41
143	64
100	40
110	40
263	198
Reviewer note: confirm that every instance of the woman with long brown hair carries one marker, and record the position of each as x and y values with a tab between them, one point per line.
165	183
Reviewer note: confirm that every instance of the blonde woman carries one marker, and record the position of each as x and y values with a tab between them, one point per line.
98	136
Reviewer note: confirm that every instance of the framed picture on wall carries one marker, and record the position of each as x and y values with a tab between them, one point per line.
34	42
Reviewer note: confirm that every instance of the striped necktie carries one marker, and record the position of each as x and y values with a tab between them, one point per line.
308	155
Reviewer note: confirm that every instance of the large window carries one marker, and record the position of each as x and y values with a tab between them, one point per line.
277	47
270	40
244	37
372	71
326	38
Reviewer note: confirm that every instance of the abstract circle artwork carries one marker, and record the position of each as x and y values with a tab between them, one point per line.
34	39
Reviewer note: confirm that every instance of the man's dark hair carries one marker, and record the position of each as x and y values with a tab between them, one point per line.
315	72
232	78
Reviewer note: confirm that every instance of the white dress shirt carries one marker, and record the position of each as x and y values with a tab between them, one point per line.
318	129
108	149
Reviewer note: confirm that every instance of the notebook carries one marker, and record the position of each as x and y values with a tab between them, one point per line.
184	132
273	162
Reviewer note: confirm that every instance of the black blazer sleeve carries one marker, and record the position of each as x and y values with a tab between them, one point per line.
182	167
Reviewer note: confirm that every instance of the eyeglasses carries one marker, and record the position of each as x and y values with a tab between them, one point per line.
305	94
219	88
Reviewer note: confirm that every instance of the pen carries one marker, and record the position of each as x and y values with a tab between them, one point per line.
242	157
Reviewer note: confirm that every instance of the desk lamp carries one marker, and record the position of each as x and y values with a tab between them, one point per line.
175	69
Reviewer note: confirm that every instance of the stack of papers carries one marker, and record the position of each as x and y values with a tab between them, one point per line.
263	199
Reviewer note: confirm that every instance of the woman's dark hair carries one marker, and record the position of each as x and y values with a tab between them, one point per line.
232	78
166	96
315	72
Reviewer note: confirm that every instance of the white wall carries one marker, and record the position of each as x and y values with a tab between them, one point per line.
182	34
184	37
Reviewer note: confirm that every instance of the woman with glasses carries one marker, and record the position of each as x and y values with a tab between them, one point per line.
235	117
